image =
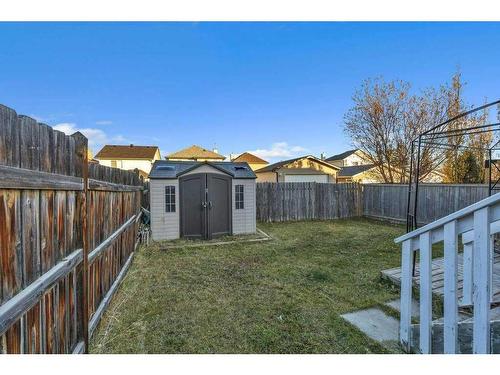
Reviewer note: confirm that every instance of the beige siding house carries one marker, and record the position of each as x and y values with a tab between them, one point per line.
367	174
355	167
129	157
302	169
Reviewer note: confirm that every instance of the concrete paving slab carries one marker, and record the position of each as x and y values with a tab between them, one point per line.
375	324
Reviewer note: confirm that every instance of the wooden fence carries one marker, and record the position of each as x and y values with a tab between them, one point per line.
67	236
389	201
292	201
288	201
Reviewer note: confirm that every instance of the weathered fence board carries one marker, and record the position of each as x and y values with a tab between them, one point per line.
18	178
55	209
291	201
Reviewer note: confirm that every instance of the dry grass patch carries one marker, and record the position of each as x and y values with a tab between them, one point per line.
279	296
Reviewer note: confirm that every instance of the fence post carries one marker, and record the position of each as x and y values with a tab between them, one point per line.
81	146
359	189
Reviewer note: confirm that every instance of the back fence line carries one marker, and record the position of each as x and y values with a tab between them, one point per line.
292	201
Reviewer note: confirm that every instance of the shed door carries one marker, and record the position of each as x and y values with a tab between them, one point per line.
219	205
206	208
192	201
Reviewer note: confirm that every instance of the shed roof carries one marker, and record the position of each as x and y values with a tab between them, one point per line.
195	152
278	165
127	152
250	158
342	155
169	169
354	170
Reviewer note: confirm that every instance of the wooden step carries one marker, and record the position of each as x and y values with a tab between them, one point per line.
465	331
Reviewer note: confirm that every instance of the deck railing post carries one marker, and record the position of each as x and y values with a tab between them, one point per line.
406	294
468	266
425	292
492	261
482	270
450	288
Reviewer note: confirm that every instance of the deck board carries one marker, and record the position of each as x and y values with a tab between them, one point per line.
394	275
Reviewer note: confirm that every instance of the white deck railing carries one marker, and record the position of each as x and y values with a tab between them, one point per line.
476	223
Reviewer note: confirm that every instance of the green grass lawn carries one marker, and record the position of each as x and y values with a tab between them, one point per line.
280	296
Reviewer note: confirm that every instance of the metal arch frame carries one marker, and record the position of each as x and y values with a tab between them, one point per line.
435	133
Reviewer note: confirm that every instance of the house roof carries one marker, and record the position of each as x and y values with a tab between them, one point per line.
174	168
354	170
342	156
250	158
127	152
280	164
195	152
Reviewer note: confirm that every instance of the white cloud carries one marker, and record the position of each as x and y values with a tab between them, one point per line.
104	122
120	139
279	150
97	138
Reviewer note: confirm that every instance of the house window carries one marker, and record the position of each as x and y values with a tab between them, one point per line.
169	198
113	163
238	197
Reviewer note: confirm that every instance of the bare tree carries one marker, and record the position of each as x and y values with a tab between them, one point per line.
464	145
386	117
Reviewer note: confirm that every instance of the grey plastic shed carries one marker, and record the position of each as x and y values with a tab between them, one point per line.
202	200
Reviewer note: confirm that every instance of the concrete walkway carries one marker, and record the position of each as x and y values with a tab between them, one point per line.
376	324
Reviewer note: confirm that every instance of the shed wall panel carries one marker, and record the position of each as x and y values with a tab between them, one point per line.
244	220
164	225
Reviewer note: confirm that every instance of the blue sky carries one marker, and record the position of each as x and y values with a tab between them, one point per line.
280	88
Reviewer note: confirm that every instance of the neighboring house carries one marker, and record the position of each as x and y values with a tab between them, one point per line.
252	160
195	153
129	157
355	167
366	173
302	169
349	158
369	174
